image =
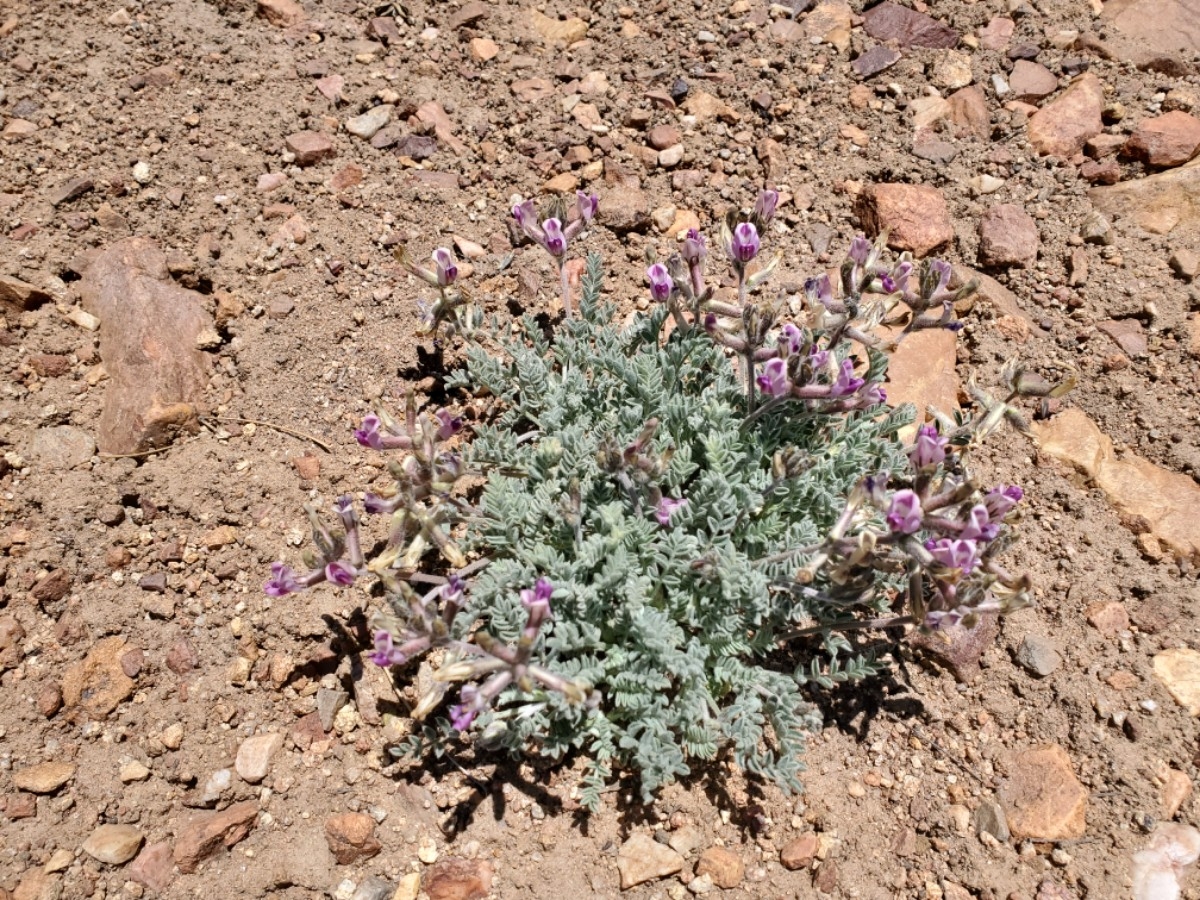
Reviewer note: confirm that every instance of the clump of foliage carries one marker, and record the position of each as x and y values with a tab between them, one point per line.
685	520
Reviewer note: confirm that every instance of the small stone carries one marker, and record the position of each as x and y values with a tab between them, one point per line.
564	183
60	860
671	157
1185	263
216	538
1062	127
890	21
785	31
1008	236
181	658
875	60
53	587
61	447
1178	668
281	13
172	736
997	33
1096	229
459	879
1031	82
113	844
43	778
1038	655
373	888
1104	171
71	190
1042	798
204	834
1166	141
1177	787
308	467
826	878
154	868
989	818
309	147
98	684
351	837
663	217
952	70
959	648
215	785
1108	617
409	887
660	137
49	700
724	867
484	49
685	840
566	31
700	884
642	859
915	216
366	125
17	297
799	853
254	756
132	771
624	209
1130	337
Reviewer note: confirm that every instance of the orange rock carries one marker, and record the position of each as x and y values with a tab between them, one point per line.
283	13
1165	141
1062	127
204	834
1042	798
351	837
915	216
921	372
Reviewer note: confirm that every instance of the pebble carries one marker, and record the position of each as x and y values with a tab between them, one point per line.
1178	668
671	157
1008	236
134	771
800	852
373	888
989	818
1042	798
370	122
351	837
642	859
200	837
459	879
43	778
113	844
309	147
1031	82
1165	141
1063	126
254	756
723	866
216	785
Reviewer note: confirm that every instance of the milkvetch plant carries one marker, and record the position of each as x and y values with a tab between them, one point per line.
686	523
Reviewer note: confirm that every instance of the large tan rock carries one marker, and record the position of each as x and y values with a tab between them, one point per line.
283	13
1178	668
642	859
921	372
1158	204
1042	798
16	296
1164	141
1136	487
148	331
1163	35
915	216
1063	126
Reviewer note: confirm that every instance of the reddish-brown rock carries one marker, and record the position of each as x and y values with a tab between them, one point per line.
969	116
149	326
1100	171
154	868
892	22
915	216
52	588
98	683
723	866
283	13
799	853
309	147
1063	126
997	33
1109	617
1165	141
958	648
663	136
1031	81
206	833
1008	236
17	297
351	837
459	879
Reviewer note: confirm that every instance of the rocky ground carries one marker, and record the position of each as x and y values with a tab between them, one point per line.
200	202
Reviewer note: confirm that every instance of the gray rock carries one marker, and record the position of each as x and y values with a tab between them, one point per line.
989	818
61	447
218	782
328	704
1039	655
373	889
370	122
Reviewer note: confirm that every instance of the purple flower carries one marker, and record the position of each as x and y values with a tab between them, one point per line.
954	553
930	448
666	508
555	241
1000	501
283	581
344	505
745	243
846	382
660	282
790	340
368	434
979	526
860	249
337	572
447	271
872	395
587	205
774	378
694	248
904	515
374	504
818	359
537	598
452	590
386	654
941	619
888	284
764	206
900	276
819	290
449	424
464	712
525	214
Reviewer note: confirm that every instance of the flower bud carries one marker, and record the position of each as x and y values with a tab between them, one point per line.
447	271
774	380
764	206
660	282
746	243
904	514
556	241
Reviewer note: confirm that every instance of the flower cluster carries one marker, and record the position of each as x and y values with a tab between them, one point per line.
553	232
338	558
